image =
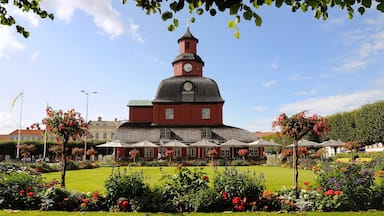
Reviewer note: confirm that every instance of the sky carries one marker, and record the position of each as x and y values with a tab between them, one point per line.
293	62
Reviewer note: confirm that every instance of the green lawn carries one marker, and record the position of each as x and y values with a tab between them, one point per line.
89	180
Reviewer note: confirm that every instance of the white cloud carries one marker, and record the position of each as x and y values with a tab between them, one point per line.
305	93
8	123
269	83
35	55
275	63
299	77
104	16
332	104
261	124
258	108
8	43
370	44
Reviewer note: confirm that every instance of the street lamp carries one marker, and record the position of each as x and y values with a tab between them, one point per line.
86	120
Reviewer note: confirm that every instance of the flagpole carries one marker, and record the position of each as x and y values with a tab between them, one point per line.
45	144
19	133
45	139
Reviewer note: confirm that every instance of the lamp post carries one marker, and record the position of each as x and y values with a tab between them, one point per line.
86	120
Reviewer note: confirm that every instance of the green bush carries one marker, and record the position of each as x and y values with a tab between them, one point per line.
182	188
121	189
235	185
354	181
20	190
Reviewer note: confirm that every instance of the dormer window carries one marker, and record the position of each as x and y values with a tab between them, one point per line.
187	45
165	133
206	133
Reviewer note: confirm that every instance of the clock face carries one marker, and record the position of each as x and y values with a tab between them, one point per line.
187	67
187	86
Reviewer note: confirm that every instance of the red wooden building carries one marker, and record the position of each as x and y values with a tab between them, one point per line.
186	116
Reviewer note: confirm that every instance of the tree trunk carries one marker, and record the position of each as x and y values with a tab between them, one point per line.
295	170
63	164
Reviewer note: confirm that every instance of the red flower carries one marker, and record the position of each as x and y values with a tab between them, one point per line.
306	183
28	188
224	195
30	194
205	178
329	192
124	203
338	192
22	192
236	200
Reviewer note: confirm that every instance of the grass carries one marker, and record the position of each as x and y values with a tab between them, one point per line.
89	180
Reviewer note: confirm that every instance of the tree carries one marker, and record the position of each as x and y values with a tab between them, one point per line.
25	150
133	153
242	153
296	127
66	126
24	5
239	9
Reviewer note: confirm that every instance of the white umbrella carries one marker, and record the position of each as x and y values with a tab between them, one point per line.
114	143
203	143
332	143
144	144
174	144
306	143
261	142
234	143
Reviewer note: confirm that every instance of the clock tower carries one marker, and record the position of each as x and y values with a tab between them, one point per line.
188	98
188	63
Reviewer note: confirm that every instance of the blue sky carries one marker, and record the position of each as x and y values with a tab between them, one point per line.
293	62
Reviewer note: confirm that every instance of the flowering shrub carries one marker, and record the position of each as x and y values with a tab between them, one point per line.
20	190
245	186
349	185
124	187
182	189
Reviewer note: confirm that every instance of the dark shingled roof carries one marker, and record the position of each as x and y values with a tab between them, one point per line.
187	35
130	133
204	90
187	56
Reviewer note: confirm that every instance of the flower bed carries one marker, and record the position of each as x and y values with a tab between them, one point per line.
340	187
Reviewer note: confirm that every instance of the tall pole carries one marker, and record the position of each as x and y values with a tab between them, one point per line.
19	135
86	120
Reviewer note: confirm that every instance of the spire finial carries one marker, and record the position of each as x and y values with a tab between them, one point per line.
188	22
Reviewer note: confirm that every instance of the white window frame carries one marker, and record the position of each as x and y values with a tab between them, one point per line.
191	152
149	152
177	152
225	152
206	113
169	113
253	151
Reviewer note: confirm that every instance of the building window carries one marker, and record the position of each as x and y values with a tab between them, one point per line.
96	136
225	152
169	113
177	152
187	45
112	135
191	152
206	133
165	133
104	135
253	151
149	152
206	113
